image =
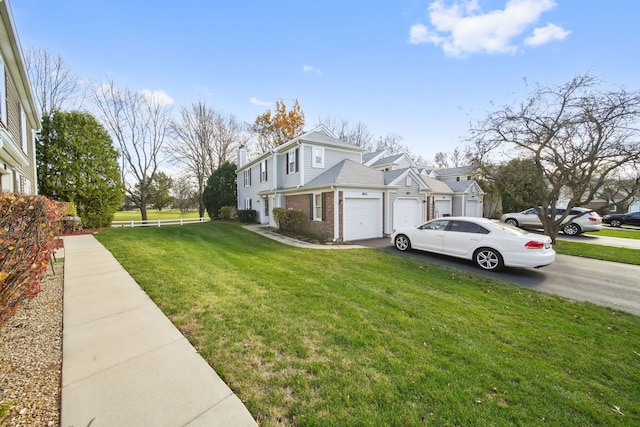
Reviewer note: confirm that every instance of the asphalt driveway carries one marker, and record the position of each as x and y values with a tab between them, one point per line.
604	283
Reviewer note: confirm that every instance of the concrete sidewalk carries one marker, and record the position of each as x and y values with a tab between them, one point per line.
123	362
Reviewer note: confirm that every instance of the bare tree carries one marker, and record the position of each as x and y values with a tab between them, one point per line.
576	136
204	139
184	193
452	159
139	121
55	87
392	142
356	134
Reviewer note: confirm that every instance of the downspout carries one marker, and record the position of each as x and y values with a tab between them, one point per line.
336	214
301	160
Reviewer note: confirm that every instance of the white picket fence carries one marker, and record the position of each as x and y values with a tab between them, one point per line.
155	222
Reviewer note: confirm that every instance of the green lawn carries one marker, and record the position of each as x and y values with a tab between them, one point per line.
365	338
625	233
153	214
601	252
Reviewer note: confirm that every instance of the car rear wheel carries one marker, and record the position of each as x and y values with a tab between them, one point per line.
511	221
402	243
571	229
488	259
616	223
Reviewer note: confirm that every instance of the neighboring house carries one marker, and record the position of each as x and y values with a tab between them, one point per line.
461	173
347	194
468	197
19	117
383	162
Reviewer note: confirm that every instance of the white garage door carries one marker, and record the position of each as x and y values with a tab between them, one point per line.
406	213
443	207
473	208
362	218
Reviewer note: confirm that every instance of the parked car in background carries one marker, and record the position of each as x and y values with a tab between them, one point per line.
578	221
616	220
489	243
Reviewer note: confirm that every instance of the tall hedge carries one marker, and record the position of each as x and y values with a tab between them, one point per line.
28	227
77	162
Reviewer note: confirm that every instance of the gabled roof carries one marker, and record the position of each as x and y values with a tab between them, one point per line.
436	186
461	170
373	157
389	160
393	176
464	186
319	135
348	172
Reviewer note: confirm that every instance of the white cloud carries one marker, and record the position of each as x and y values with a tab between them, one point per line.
256	101
310	69
159	97
462	28
547	34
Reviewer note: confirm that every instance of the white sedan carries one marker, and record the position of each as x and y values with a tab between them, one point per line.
489	243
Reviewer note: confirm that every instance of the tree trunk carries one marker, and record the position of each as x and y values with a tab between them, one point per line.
143	210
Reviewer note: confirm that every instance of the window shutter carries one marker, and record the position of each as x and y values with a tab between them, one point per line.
297	167
324	207
311	206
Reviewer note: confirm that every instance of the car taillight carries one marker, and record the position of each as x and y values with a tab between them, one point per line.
593	219
534	244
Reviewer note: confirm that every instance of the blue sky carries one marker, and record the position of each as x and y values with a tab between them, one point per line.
420	69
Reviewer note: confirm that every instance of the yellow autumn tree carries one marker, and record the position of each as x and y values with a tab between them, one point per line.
275	128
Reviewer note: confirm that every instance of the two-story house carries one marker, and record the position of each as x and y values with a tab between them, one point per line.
326	178
19	117
347	194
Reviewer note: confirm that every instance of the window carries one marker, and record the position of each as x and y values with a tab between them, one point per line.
292	161
408	181
435	225
263	171
317	207
266	206
247	178
247	204
467	227
318	157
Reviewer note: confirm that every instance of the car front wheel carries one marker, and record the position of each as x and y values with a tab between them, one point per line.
402	243
488	259
571	229
511	221
616	223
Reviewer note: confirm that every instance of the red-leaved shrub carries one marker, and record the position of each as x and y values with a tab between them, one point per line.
28	229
